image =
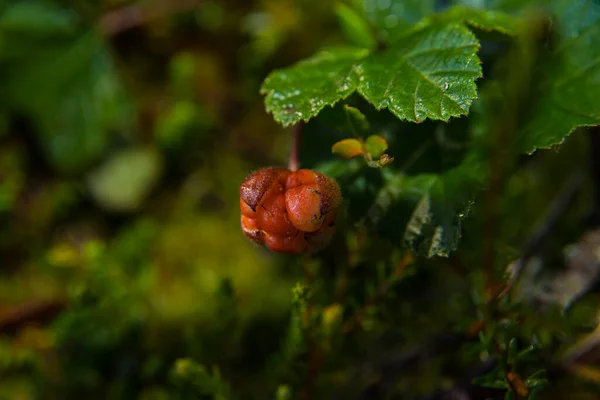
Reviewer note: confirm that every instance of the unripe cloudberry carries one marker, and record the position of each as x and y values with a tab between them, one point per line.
289	212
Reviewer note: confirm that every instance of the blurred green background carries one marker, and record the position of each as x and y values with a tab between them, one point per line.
126	129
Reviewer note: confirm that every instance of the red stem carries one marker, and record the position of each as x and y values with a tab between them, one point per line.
296	133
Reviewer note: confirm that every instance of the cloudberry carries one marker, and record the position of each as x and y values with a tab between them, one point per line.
289	212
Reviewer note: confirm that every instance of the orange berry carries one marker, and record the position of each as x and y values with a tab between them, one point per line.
273	217
294	244
246	210
301	177
303	205
251	229
289	212
256	186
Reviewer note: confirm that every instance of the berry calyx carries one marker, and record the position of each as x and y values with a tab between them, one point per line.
289	212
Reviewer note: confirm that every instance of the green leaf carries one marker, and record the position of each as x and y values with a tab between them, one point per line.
526	352
569	90
485	381
512	352
537	380
354	26
347	148
427	73
439	201
434	227
300	92
376	146
358	123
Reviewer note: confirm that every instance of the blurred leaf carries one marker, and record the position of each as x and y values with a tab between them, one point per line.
78	99
13	178
488	20
347	148
485	381
395	16
40	18
536	376
283	393
183	70
376	146
355	27
427	73
512	352
523	354
211	15
568	88
535	394
124	181
182	120
193	380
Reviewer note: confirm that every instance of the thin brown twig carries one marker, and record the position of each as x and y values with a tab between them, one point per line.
125	18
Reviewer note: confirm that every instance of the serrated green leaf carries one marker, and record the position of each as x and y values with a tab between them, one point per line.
434	227
298	93
356	120
568	97
510	395
354	26
440	203
376	145
347	148
428	73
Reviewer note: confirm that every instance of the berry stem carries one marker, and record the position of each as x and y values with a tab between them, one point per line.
296	133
